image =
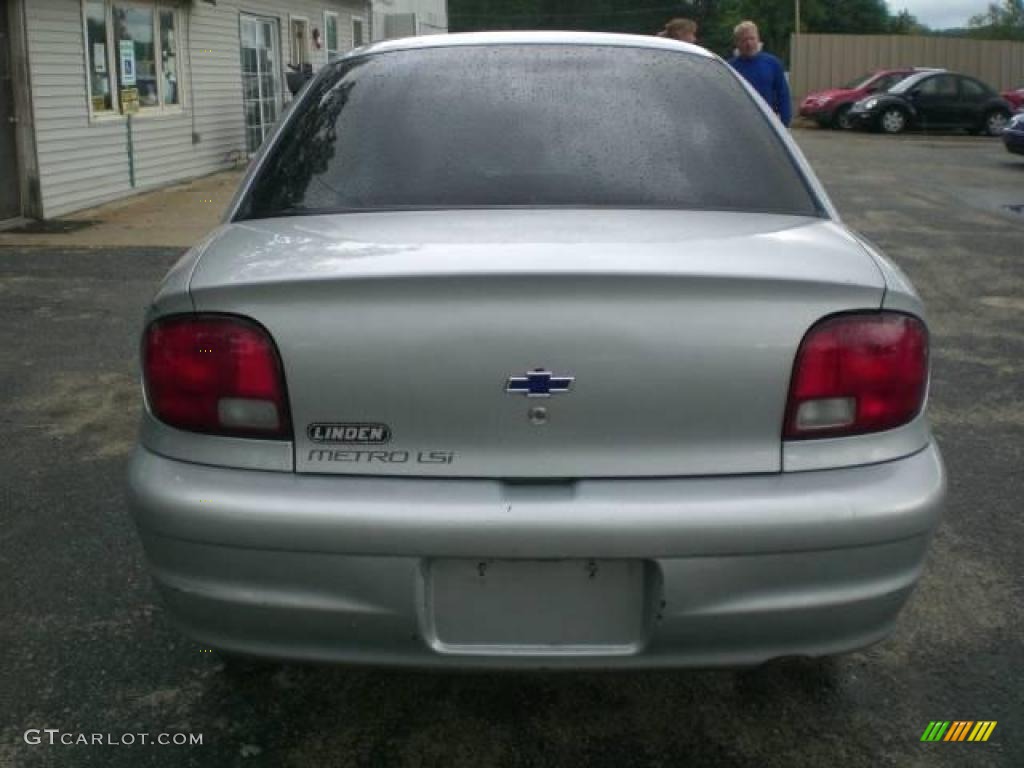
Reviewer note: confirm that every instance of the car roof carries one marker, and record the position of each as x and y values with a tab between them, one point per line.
909	70
917	77
532	38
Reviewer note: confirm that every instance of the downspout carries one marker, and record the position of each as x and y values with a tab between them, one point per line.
191	96
131	151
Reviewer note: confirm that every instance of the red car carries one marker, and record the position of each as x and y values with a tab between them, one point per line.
1016	98
832	107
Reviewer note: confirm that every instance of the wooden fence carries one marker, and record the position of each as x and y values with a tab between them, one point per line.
829	61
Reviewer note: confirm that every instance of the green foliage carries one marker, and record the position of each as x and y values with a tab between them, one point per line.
775	21
1000	22
716	18
643	17
905	23
855	17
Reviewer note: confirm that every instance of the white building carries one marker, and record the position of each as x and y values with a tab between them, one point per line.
103	98
405	18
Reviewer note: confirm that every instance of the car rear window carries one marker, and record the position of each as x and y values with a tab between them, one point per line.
528	125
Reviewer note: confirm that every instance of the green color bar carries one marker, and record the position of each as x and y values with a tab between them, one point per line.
935	731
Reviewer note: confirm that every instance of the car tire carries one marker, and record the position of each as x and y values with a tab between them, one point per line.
893	120
841	120
995	122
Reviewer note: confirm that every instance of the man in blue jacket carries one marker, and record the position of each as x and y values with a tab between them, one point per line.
762	70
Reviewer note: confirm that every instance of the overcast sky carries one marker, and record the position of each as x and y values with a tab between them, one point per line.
941	14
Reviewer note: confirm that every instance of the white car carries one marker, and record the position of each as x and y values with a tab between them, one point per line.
534	349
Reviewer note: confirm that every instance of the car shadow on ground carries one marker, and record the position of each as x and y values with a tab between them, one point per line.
377	716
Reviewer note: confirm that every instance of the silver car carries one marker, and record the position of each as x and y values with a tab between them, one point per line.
534	349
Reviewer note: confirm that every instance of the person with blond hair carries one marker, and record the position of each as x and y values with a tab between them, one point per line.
684	30
762	70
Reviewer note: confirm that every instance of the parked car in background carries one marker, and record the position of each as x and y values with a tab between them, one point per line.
1015	98
830	108
578	368
934	101
1013	136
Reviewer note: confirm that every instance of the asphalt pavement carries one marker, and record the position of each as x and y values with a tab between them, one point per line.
88	649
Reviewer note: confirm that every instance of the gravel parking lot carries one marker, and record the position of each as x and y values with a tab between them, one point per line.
90	651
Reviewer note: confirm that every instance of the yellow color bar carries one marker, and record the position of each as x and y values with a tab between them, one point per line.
982	730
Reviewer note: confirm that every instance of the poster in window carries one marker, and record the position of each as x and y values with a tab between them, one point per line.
127	62
129	101
99	57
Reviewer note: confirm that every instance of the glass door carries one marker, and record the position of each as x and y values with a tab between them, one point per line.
261	78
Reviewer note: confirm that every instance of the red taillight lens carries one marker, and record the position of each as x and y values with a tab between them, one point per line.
857	374
215	374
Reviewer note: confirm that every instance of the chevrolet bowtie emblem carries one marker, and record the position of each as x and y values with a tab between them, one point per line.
539	383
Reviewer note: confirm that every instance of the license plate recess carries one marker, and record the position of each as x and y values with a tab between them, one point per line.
536	606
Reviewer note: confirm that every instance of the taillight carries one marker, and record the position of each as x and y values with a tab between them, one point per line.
858	373
215	374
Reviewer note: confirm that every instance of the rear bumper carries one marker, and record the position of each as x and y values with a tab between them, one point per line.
823	115
1014	141
730	570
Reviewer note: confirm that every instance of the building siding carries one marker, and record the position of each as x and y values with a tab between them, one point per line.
430	16
85	162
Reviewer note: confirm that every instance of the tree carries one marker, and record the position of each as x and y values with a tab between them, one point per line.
1000	22
905	23
858	17
595	15
774	18
774	21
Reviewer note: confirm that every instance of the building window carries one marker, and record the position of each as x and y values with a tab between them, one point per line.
96	51
299	42
261	78
133	56
331	33
169	58
358	32
136	53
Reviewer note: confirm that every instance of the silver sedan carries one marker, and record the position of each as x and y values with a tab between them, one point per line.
534	349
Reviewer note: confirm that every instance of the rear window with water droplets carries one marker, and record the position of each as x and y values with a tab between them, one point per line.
528	125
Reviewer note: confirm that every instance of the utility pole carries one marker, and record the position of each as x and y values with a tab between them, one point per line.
796	29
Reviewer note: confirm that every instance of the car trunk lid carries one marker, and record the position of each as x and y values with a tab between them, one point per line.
417	343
